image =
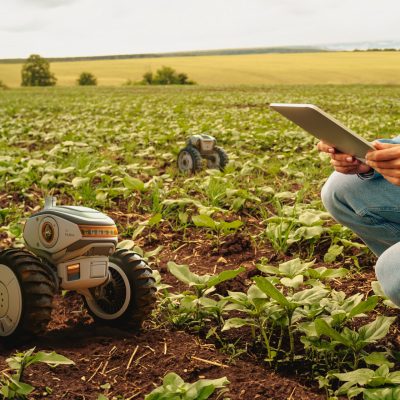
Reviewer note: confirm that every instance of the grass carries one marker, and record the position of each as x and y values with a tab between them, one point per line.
299	68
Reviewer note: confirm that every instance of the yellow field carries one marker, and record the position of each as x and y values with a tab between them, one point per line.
297	68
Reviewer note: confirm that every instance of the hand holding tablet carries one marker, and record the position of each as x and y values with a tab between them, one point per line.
326	128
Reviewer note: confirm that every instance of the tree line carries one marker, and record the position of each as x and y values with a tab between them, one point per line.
36	72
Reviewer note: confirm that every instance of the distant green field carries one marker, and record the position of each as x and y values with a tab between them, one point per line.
297	68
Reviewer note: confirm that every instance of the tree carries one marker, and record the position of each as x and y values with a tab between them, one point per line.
148	78
87	79
36	72
166	76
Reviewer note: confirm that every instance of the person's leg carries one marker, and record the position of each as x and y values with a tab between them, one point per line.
370	208
388	273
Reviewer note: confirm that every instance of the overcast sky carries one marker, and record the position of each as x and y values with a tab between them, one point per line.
95	27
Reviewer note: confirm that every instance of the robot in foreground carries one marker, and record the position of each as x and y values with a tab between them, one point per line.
199	147
72	248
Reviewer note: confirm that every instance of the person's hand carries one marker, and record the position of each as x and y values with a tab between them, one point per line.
344	163
386	160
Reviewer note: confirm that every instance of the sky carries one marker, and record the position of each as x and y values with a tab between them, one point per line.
57	28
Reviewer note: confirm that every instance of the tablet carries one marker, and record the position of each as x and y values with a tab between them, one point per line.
324	127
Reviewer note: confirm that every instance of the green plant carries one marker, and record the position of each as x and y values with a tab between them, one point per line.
349	342
219	227
193	306
290	303
296	272
36	72
175	388
379	384
86	79
261	315
12	386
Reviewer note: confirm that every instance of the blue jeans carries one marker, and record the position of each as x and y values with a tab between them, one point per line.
371	209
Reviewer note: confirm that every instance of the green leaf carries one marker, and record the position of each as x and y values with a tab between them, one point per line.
333	252
203	388
183	273
53	359
205	221
138	231
323	328
126	244
77	182
309	232
334	273
230	226
293	267
364	306
360	376
378	359
309	218
270	290
234	323
310	296
390	393
293	283
268	269
376	330
21	388
155	219
224	276
183	218
133	183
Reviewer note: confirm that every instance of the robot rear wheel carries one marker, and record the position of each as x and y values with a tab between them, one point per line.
128	297
218	159
27	289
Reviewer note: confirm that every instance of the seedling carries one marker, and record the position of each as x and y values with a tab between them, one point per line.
12	386
175	388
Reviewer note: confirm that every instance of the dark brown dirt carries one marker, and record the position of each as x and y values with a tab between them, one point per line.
133	364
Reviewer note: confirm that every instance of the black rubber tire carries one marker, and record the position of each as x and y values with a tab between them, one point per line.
194	154
223	157
142	288
37	287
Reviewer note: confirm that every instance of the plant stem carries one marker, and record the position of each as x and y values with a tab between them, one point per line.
266	341
291	337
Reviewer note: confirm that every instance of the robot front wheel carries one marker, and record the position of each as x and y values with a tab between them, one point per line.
128	297
189	160
27	289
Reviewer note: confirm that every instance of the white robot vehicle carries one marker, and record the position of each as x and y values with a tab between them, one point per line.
199	147
72	248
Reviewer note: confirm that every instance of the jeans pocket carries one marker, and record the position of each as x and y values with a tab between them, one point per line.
390	214
385	216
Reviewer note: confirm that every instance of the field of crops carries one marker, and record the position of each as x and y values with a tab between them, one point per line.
257	69
257	284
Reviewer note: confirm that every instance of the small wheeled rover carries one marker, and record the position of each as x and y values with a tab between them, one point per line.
199	147
72	248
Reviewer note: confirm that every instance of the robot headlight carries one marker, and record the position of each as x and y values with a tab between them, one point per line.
98	231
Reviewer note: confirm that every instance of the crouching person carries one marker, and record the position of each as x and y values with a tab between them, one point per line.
366	199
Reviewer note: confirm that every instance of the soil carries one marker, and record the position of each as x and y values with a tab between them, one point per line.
133	364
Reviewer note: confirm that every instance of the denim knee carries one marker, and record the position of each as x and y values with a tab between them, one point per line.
387	271
331	195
